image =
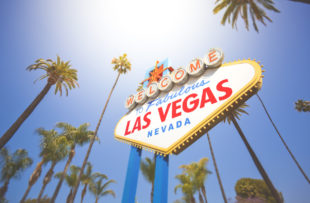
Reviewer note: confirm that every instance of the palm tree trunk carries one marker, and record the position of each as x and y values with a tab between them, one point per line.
33	179
4	188
259	166
92	141
200	197
216	169
69	196
302	1
71	155
193	199
97	199
14	127
46	180
152	192
284	143
83	192
203	189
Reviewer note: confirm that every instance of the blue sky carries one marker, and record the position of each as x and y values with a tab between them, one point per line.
91	33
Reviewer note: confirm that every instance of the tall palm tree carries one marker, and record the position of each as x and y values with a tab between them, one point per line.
99	189
122	66
58	73
186	186
232	118
58	151
147	167
12	165
48	147
70	179
234	8
198	173
302	105
89	178
282	139
216	169
75	136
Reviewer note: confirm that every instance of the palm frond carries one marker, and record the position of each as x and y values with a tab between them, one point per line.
237	113
121	64
253	20
236	13
245	16
234	8
220	6
227	13
109	192
59	73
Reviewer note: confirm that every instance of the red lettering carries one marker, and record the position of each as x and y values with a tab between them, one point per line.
227	90
211	98
194	103
147	120
175	107
212	56
164	84
126	131
130	100
151	91
195	67
177	73
163	115
137	125
139	95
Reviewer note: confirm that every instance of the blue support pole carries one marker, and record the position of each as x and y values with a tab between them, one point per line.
161	179
130	188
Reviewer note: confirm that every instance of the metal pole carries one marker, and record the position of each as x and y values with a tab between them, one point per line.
161	179
130	188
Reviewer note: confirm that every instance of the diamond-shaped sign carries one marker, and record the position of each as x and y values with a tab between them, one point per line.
175	119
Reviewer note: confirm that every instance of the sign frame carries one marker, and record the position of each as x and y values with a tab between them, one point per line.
211	120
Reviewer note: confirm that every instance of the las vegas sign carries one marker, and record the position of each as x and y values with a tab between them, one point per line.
176	109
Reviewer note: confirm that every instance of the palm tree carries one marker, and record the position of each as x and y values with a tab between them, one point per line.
58	151
147	167
70	179
12	165
99	189
253	190
75	136
216	169
242	7
237	113
232	118
302	105
198	174
58	73
282	139
186	186
89	178
48	147
122	66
